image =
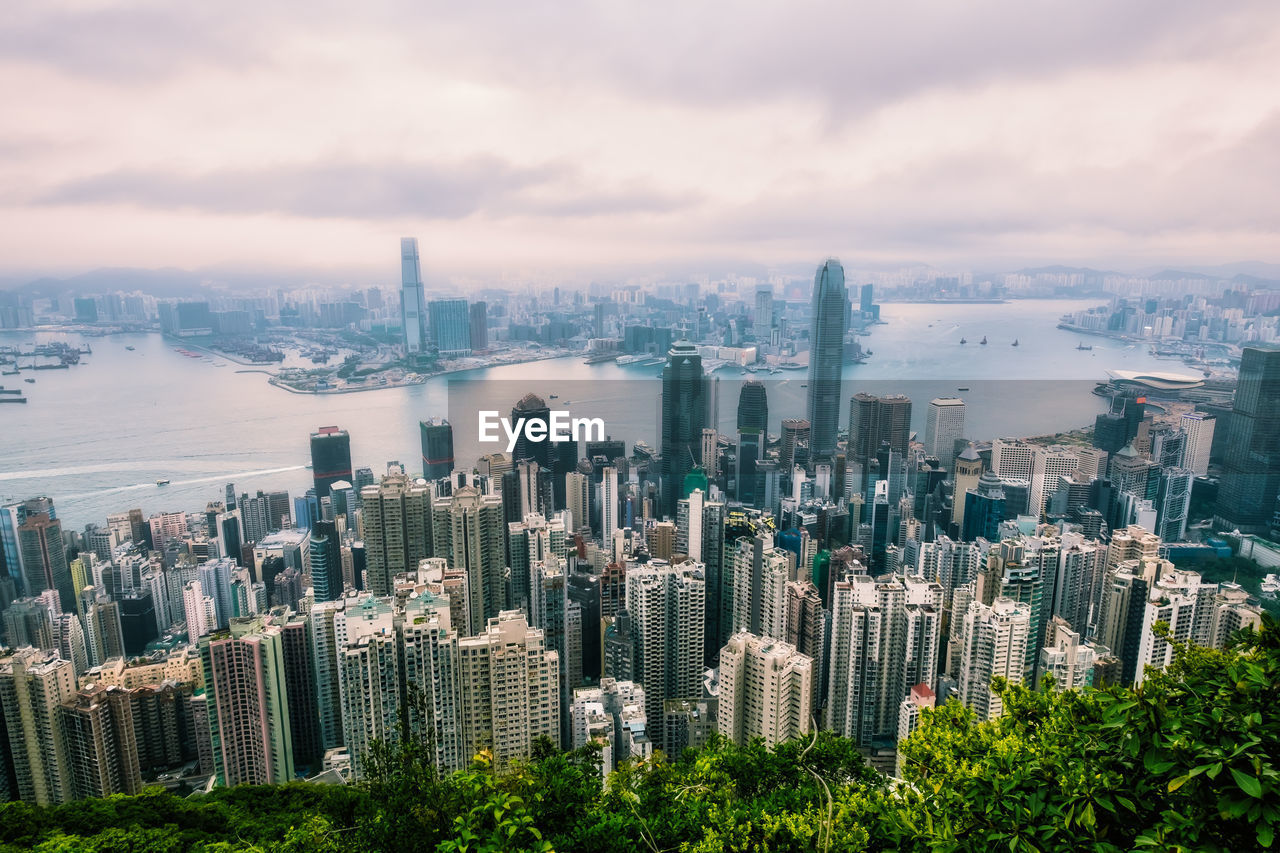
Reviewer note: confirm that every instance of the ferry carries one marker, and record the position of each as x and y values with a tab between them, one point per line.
1081	346
130	349
29	381
162	482
983	342
554	396
963	341
624	360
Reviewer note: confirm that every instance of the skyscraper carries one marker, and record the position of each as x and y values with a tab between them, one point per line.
531	407
326	561
33	684
437	448
451	327
874	421
763	321
797	443
765	690
413	307
397	528
1251	467
469	532
248	703
994	642
41	554
330	458
826	356
683	413
753	428
666	604
1198	428
943	427
479	326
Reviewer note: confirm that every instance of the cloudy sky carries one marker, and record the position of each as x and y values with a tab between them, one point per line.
578	135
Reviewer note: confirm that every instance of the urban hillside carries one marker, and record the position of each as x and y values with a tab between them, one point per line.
1187	761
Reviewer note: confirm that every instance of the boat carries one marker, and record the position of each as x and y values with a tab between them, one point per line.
1015	342
624	360
1081	346
162	482
962	389
963	341
554	396
13	399
29	381
10	372
130	349
983	341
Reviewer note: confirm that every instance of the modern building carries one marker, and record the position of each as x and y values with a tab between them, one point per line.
828	324
330	458
1250	479
766	690
413	305
325	556
666	605
41	553
469	531
397	528
1198	428
943	427
683	418
753	429
437	448
451	327
875	421
34	683
479	320
993	643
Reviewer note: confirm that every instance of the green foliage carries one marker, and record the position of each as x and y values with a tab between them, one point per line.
1187	762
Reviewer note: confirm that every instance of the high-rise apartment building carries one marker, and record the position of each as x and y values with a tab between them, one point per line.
33	685
398	528
248	703
943	427
368	670
828	324
509	689
766	690
993	642
666	605
469	533
41	553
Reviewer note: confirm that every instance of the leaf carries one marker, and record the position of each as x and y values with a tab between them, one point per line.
1251	785
1178	782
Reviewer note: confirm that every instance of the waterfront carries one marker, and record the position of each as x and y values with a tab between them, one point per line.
97	437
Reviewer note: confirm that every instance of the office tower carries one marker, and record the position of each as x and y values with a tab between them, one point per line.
330	458
760	575
1066	657
479	326
451	327
33	685
993	642
968	470
717	586
1049	465
944	426
608	503
102	748
509	693
683	413
826	356
1251	465
1113	429
413	307
437	448
469	533
41	554
1013	460
398	528
618	650
138	625
762	323
884	640
766	690
753	428
1173	503
875	421
666	605
248	703
613	716
531	407
797	437
368	666
325	557
984	509
578	500
1198	428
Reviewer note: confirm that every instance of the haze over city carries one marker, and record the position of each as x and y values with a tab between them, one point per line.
604	140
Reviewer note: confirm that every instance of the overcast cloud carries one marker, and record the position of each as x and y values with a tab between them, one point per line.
514	136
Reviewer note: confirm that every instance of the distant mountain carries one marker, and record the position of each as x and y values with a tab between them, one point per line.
173	283
1250	270
1059	269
